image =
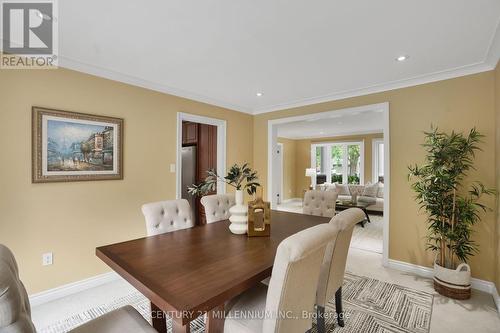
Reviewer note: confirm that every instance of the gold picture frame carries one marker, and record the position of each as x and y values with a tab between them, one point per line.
71	146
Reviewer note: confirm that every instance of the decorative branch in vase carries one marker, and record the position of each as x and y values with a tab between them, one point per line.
241	178
452	207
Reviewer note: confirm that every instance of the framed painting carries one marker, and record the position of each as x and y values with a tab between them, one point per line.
70	146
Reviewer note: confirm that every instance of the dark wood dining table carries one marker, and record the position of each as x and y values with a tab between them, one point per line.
190	272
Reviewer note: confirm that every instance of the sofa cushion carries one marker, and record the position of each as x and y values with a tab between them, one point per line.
378	206
342	189
370	190
368	200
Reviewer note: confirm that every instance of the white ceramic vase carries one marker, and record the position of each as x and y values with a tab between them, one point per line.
238	218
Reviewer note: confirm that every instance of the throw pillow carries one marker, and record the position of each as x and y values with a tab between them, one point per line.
331	187
370	190
380	193
342	189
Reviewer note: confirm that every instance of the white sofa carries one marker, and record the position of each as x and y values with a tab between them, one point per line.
346	192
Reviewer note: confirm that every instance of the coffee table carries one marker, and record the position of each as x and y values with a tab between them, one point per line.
341	205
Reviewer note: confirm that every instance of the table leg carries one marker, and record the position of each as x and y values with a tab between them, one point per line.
367	216
177	327
215	320
158	319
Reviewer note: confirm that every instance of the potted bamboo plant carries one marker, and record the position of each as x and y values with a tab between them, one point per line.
452	207
241	178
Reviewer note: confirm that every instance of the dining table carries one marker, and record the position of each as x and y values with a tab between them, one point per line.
193	272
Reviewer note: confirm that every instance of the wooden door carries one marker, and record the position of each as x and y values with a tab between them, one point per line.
207	159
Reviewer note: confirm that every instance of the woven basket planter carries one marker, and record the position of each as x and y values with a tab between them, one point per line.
453	283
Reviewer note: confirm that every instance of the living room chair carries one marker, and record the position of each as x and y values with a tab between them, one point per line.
167	216
319	203
217	206
15	311
333	266
292	288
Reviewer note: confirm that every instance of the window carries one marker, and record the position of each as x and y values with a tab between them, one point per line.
345	162
378	160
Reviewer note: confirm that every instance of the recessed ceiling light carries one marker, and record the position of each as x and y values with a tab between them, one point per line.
259	94
402	58
321	132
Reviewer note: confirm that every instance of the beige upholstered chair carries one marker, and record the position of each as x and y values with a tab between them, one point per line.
292	288
333	267
217	206
320	203
167	216
15	314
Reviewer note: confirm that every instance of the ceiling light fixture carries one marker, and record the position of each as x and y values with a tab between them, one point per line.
402	58
259	94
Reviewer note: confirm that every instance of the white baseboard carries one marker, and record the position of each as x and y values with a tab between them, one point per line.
496	298
72	288
291	200
482	285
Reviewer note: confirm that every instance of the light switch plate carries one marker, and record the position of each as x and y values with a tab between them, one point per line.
172	168
47	259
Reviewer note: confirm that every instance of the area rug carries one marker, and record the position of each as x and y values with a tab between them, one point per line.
375	306
370	306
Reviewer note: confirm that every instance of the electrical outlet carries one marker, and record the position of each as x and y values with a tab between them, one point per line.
47	259
172	168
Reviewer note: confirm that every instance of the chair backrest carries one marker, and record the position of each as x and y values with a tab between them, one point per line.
320	203
217	206
294	279
167	216
334	262
15	313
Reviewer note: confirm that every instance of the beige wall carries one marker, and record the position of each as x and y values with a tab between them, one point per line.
304	156
456	104
71	219
289	168
497	112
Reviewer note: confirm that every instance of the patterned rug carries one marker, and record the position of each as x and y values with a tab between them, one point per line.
370	306
374	306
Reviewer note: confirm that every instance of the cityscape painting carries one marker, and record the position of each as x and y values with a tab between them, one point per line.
71	146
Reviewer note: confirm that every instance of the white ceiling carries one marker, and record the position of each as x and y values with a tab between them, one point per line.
337	124
296	52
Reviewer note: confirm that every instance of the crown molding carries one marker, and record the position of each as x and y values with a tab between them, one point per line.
489	63
493	53
415	81
82	67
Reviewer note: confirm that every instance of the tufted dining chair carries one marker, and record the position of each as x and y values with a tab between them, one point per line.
292	288
333	266
15	313
217	206
167	216
319	203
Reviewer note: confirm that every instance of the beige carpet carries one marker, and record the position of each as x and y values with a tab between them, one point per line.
369	238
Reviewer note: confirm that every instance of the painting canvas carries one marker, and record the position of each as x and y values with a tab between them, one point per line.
72	146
